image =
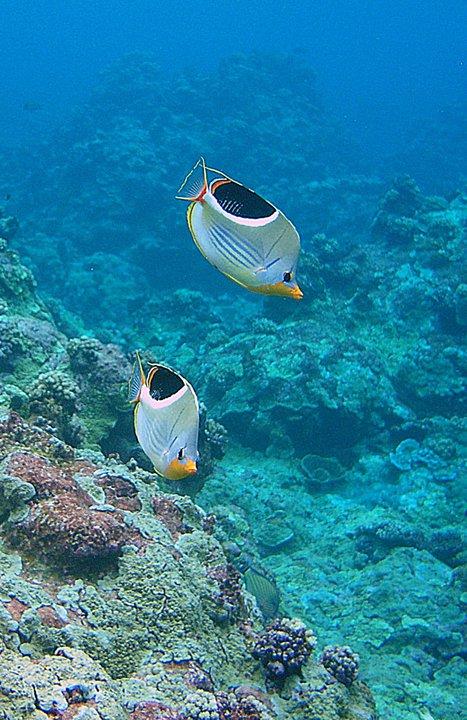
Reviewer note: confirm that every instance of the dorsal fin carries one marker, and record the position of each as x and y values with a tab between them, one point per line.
136	381
195	184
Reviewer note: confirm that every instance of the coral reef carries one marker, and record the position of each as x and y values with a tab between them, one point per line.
117	162
228	597
48	377
341	487
283	649
349	546
115	602
341	662
67	685
75	388
321	473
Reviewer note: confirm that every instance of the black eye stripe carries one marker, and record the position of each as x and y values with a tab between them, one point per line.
241	202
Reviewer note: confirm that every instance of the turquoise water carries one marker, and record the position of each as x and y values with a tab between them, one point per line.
334	455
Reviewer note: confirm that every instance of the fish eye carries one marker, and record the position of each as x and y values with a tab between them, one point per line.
287	277
180	454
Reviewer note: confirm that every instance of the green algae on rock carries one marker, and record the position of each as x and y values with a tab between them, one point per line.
167	621
68	681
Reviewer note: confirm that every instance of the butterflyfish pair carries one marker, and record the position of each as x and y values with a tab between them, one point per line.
166	419
251	242
244	236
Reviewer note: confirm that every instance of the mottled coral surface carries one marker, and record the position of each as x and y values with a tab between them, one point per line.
114	601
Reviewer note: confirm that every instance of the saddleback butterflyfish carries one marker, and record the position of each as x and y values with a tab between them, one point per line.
166	419
241	234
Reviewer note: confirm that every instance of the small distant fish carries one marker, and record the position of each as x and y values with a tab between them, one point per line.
264	590
166	419
241	234
425	714
31	106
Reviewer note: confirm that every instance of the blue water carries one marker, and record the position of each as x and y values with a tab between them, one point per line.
381	65
344	412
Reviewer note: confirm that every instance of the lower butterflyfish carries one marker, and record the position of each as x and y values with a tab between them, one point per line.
244	236
166	419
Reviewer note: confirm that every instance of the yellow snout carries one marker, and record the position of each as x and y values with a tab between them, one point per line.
177	470
296	293
283	290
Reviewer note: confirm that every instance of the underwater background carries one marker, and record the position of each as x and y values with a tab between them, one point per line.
333	440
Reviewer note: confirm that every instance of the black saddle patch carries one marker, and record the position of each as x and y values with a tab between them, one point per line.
163	383
239	201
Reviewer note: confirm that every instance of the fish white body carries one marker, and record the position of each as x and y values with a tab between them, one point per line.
244	236
167	428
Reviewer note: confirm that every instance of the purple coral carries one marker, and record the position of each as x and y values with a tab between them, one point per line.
228	599
341	662
243	703
153	710
63	524
283	649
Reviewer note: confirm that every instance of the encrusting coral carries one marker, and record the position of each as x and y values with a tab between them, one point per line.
117	601
321	473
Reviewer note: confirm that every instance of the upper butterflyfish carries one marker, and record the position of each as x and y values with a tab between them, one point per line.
166	419
241	234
